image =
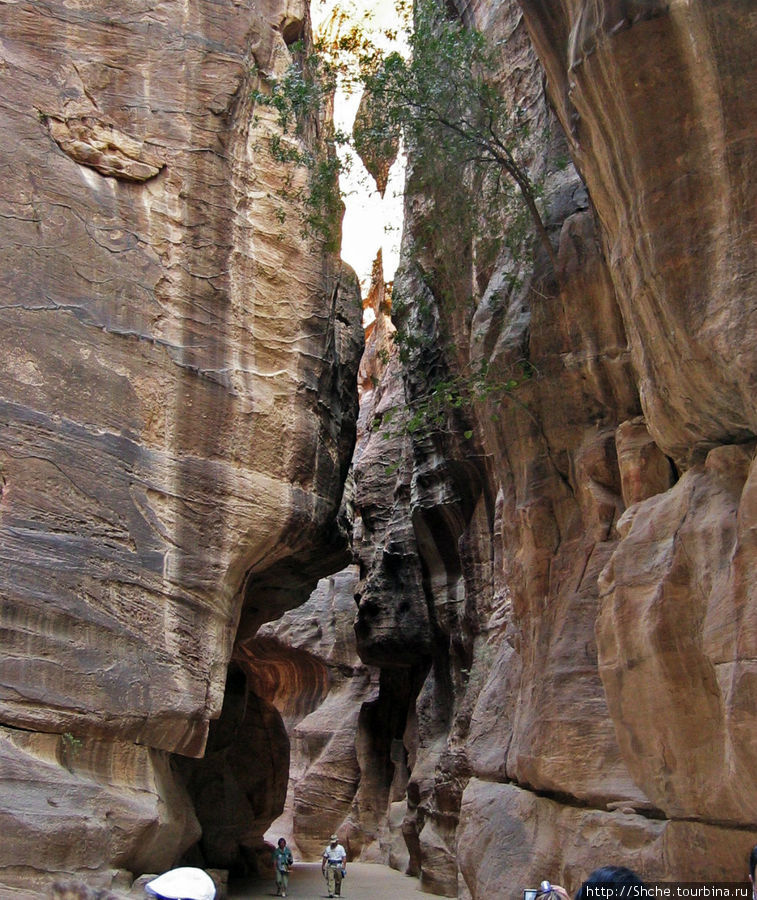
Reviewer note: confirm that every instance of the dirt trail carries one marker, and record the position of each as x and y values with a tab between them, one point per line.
365	881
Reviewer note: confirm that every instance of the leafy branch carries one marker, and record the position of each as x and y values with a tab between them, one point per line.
440	99
430	411
305	141
468	150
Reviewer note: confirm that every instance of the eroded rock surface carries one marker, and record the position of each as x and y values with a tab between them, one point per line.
70	803
347	720
676	640
322	724
677	214
554	658
104	148
564	572
179	403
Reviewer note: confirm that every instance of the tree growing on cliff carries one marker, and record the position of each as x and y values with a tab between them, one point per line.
468	148
439	97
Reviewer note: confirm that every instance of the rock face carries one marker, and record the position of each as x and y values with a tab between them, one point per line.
324	770
678	222
553	664
346	720
676	640
70	804
563	573
178	407
677	213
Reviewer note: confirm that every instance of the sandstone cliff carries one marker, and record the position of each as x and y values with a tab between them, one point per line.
554	660
178	412
562	575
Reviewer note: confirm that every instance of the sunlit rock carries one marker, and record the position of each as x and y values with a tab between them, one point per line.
676	640
179	401
69	803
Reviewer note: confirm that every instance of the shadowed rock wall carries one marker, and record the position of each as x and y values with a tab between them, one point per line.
178	407
555	614
575	580
320	687
676	212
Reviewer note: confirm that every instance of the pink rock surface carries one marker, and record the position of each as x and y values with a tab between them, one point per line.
179	401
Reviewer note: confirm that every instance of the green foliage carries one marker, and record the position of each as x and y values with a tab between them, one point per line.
440	99
461	392
433	410
474	195
461	130
299	99
467	171
70	749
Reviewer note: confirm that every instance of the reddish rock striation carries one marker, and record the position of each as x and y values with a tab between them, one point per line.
569	589
322	723
346	721
178	407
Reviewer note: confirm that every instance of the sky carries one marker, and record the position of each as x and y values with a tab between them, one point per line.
370	222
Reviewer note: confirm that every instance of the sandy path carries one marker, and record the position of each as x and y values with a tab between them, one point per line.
365	881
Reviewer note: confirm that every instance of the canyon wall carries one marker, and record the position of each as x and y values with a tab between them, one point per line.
560	576
553	658
348	769
178	414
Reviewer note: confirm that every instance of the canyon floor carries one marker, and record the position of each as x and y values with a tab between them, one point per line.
365	881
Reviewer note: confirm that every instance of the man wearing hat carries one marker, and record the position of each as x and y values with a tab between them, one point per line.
334	865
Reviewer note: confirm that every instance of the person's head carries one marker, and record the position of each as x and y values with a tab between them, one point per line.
753	866
548	891
607	876
282	843
334	838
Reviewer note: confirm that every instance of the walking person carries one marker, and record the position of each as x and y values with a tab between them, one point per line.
334	865
282	863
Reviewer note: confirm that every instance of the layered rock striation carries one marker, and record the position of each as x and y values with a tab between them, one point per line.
552	665
178	408
561	570
322	714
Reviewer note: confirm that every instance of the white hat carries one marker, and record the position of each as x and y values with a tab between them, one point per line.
183	884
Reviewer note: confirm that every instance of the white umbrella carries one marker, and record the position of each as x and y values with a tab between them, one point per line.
183	884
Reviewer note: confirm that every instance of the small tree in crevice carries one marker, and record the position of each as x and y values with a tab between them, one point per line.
439	97
469	189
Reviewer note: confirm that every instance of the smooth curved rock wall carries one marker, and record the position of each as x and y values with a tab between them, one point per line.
323	724
575	577
71	803
179	404
676	81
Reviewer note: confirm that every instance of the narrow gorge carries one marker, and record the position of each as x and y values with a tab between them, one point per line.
240	587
